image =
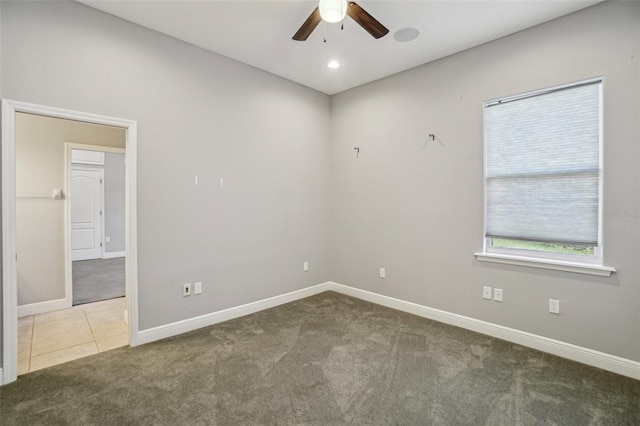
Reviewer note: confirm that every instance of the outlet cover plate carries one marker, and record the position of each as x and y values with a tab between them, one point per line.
197	288
497	294
486	292
186	289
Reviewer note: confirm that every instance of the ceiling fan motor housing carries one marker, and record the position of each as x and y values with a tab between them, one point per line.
333	10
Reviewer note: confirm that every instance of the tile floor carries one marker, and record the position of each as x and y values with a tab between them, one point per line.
57	337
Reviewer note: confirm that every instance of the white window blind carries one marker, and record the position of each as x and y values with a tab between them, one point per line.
543	166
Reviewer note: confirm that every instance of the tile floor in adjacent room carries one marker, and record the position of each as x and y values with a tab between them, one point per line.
56	337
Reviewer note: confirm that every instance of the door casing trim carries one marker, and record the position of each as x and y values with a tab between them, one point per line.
8	173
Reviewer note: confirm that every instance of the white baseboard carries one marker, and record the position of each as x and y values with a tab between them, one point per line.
1	377
619	365
42	307
179	327
112	254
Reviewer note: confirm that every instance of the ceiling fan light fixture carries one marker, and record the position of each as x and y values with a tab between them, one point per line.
333	11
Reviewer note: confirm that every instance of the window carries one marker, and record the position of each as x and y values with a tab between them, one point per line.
543	174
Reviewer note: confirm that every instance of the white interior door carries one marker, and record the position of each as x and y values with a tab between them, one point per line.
86	214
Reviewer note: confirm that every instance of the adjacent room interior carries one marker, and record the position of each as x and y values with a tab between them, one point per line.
71	302
331	224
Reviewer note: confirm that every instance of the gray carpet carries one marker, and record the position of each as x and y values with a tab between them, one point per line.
325	360
97	279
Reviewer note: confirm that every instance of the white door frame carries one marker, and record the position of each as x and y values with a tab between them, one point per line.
9	371
69	165
68	262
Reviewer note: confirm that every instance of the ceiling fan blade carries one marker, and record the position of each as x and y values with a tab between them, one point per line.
366	21
309	25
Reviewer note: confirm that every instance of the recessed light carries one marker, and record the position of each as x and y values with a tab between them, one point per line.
333	64
406	34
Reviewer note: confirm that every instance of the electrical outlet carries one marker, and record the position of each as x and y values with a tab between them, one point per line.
554	306
197	288
486	292
186	289
383	273
305	266
107	239
497	294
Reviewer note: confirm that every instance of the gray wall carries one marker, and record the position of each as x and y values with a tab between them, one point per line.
198	114
418	210
114	200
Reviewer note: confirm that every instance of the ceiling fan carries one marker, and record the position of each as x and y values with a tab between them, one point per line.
333	11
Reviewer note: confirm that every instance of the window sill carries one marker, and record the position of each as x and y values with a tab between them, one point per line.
580	268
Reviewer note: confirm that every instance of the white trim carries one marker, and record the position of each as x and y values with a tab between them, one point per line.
616	364
68	270
179	327
542	259
524	95
9	278
42	307
100	148
1	377
131	229
113	254
9	273
557	265
70	165
78	166
619	365
85	161
599	249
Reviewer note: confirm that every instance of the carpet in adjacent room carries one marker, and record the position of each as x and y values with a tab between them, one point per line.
98	279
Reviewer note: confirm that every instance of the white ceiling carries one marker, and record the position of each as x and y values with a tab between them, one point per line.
259	33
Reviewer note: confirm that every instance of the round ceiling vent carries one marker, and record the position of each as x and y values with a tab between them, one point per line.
406	34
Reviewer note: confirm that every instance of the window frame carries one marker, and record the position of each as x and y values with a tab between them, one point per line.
494	254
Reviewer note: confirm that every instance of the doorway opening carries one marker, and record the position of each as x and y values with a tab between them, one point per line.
27	295
97	222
